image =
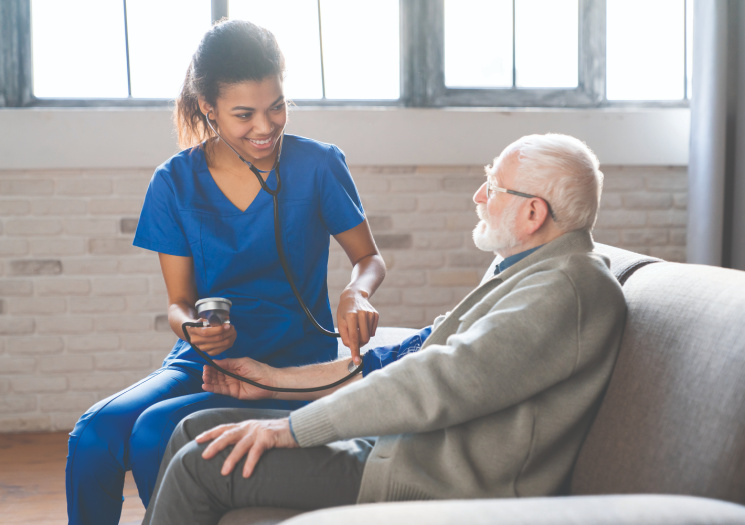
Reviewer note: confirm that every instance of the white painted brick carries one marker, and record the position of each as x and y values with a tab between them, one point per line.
28	186
62	286
34	345
117	206
384	296
147	304
653	237
621	219
647	201
415	184
84	187
90	226
32	227
146	341
680	200
419	259
427	296
454	277
121	361
444	202
92	342
66	363
25	423
9	207
10	287
63	421
158	286
37	305
16	325
469	259
462	222
404	278
622	180
379	204
605	236
418	221
670	180
97	305
38	383
133	185
668	218
147	264
105	246
90	265
17	403
669	253
611	201
123	323
440	240
4	385
678	237
58	206
119	285
16	365
64	325
404	316
56	247
72	402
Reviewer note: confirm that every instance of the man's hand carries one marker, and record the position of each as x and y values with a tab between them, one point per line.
219	383
357	320
250	438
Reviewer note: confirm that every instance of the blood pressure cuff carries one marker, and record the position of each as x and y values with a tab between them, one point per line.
381	356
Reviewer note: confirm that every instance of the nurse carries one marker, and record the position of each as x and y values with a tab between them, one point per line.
212	227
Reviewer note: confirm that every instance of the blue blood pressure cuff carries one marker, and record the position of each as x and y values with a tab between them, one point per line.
381	356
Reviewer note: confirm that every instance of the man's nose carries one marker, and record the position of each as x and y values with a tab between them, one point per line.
480	196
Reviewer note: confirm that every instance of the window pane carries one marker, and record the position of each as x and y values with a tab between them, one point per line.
361	49
163	35
478	43
295	24
78	49
689	47
645	50
546	43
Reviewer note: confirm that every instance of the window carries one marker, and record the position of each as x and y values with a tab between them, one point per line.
421	53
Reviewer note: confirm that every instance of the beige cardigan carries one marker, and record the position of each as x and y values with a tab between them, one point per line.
499	398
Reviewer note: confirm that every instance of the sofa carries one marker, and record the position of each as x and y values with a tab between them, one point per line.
667	445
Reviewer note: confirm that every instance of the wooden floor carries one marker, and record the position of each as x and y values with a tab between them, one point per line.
32	481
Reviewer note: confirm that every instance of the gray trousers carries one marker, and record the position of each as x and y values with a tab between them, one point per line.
191	489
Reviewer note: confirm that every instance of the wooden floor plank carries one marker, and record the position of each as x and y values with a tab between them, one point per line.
32	481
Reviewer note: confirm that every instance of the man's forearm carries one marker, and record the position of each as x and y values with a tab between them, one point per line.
311	376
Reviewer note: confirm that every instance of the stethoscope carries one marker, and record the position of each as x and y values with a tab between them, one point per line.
285	267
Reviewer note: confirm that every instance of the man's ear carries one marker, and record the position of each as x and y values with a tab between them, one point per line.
537	215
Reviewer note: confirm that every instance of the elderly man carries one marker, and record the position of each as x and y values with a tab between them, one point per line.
495	402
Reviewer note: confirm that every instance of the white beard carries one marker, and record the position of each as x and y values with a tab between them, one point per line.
497	240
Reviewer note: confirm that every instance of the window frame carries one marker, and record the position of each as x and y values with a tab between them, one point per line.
421	63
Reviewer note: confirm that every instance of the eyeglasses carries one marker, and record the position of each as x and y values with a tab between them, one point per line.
492	189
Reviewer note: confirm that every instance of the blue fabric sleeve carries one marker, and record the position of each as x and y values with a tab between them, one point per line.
159	228
341	208
382	356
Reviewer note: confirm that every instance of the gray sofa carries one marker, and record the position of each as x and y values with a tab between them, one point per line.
668	443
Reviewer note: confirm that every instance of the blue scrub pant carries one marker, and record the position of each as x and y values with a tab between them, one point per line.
130	430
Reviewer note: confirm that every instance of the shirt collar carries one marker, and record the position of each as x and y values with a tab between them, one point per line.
512	259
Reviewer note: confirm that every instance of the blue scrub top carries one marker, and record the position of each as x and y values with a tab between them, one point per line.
185	213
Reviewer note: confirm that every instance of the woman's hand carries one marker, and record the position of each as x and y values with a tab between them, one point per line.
357	320
251	439
212	340
219	383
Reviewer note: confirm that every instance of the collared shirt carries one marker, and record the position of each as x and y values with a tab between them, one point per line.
512	259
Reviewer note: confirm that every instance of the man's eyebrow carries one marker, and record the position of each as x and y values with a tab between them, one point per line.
246	108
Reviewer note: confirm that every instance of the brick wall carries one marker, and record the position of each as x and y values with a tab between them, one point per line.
82	312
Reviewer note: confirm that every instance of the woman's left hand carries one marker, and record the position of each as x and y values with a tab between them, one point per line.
251	438
357	320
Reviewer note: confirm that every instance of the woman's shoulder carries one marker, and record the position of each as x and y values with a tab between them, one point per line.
181	164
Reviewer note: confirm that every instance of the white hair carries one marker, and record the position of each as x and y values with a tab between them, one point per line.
562	170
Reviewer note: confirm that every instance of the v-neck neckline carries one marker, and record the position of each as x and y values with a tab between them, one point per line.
271	180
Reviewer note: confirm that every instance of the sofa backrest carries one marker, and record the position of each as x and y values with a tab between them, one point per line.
673	417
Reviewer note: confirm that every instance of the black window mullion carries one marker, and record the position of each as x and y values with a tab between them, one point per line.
16	88
219	10
592	49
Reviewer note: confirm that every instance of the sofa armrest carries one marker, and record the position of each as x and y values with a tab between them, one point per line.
570	510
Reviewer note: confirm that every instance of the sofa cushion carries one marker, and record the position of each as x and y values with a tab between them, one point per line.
575	510
673	418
